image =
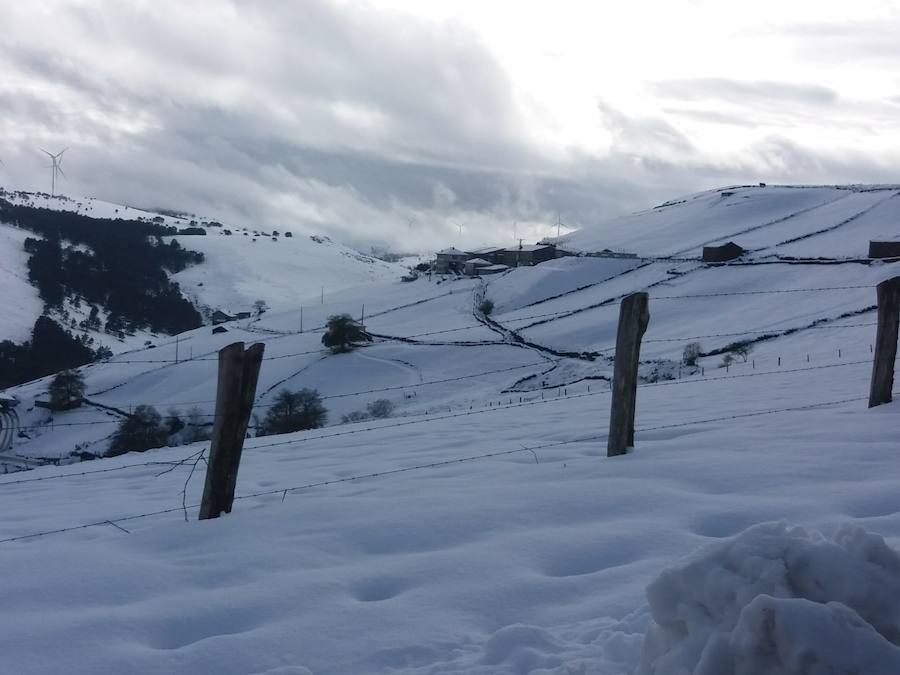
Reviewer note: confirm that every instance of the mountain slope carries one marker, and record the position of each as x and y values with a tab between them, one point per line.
777	220
238	270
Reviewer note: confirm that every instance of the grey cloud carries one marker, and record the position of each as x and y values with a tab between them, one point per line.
340	118
765	91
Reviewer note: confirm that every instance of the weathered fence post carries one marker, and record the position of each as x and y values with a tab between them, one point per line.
238	372
633	318
885	342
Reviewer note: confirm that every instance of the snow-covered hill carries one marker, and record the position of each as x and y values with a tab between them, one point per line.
531	557
798	221
240	268
19	299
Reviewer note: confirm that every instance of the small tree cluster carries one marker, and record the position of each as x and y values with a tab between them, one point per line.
343	333
379	409
146	428
66	389
692	352
294	411
140	431
486	306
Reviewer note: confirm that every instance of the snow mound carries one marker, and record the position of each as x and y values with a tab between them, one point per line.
778	600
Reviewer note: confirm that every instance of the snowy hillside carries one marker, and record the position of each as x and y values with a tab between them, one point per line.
19	299
282	271
240	268
482	529
830	221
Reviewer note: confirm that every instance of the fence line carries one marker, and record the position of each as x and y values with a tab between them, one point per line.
114	521
500	405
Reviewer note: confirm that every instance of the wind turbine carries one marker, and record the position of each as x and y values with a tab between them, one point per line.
57	169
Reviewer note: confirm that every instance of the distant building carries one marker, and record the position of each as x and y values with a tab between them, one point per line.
472	266
532	254
722	253
221	316
884	249
493	254
450	260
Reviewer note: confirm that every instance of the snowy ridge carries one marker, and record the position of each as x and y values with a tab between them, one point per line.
248	265
482	529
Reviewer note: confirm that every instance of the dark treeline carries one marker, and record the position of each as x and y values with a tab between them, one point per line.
51	349
122	267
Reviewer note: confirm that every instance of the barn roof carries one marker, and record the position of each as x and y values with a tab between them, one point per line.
451	251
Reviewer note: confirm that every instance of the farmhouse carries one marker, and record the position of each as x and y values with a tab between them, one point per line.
221	316
520	256
450	260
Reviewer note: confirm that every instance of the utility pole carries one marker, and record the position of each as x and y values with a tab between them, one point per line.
301	318
177	338
323	296
362	316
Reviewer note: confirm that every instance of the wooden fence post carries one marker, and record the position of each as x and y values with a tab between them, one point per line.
238	373
633	318
885	342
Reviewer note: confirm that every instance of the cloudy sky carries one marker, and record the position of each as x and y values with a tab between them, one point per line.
398	121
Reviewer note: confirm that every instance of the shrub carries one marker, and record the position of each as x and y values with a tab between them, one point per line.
486	306
196	428
743	350
66	388
727	360
355	416
342	333
138	432
294	411
381	408
692	352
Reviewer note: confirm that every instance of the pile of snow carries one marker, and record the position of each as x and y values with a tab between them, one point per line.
779	600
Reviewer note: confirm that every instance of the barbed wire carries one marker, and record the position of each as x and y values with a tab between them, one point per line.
377	474
499	406
114	521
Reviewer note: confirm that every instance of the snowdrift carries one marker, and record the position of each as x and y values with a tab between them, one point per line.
779	600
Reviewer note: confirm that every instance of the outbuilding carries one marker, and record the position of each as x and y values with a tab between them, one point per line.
884	249
723	253
532	254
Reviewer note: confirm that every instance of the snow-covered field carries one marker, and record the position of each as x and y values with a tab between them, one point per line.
534	556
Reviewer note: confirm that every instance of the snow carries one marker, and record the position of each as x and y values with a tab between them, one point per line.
238	270
779	600
19	299
284	273
457	559
753	217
